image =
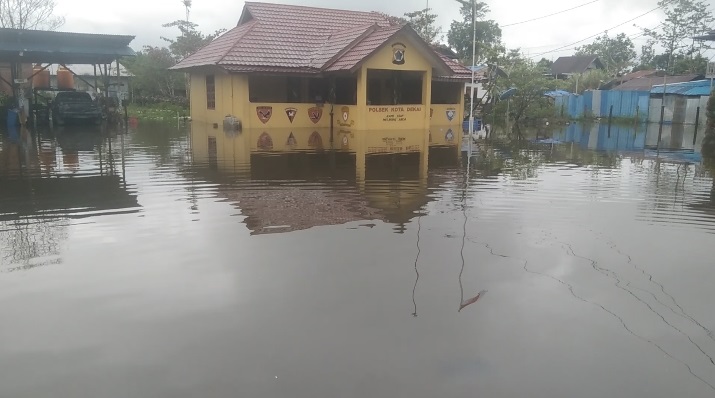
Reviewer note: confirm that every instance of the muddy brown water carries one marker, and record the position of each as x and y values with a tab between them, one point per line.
187	262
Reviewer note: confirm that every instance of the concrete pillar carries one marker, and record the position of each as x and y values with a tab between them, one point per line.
361	108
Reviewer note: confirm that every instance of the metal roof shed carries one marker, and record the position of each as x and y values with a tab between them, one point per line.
38	46
697	88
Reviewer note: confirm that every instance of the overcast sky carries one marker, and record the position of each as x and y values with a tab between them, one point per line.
143	18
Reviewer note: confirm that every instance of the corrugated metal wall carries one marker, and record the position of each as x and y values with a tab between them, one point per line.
633	104
626	104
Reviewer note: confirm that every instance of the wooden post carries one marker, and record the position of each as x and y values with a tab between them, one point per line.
610	117
96	82
697	122
660	127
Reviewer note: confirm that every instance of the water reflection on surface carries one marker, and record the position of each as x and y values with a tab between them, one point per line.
191	262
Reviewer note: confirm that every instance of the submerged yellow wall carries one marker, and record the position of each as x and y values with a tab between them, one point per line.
232	98
395	117
230	89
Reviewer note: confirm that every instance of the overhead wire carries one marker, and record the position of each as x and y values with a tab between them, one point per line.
595	35
550	15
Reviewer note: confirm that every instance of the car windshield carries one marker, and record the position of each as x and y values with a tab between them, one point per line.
73	97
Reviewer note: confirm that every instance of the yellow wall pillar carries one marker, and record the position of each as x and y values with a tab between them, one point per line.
241	105
426	98
361	117
360	145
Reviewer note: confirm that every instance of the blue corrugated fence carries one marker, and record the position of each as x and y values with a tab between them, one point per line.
626	104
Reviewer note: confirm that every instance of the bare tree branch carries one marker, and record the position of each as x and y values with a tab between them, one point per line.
29	14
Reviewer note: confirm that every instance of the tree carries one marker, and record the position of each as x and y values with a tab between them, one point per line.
617	54
460	35
29	14
683	20
189	41
545	63
151	78
424	22
688	61
590	80
530	82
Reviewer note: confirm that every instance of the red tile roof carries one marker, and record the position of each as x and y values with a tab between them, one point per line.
365	47
459	70
285	38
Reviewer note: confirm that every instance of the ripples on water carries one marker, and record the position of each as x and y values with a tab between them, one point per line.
188	262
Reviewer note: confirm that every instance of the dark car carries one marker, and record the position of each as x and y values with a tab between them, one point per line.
74	105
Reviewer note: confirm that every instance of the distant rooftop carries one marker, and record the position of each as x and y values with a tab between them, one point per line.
575	64
647	83
690	88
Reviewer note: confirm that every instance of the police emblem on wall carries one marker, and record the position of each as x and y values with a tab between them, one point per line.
451	113
265	142
346	113
264	113
315	113
449	137
291	112
398	54
291	142
315	141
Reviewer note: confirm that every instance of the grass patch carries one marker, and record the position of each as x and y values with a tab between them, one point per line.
157	112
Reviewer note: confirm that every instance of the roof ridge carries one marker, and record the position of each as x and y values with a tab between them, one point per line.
259	3
369	29
250	25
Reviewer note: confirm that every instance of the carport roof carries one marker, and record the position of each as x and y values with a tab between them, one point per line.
39	46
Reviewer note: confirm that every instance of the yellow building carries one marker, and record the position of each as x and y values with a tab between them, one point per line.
289	68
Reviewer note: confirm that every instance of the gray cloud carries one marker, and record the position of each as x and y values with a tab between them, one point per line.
144	18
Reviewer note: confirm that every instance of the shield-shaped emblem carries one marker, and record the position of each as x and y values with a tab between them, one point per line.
345	142
346	113
291	142
398	54
315	113
449	137
291	112
451	113
264	113
265	142
315	141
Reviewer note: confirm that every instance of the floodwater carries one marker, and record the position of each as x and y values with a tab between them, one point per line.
182	261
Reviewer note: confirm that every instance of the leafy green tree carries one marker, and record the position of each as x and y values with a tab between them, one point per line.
424	22
683	20
616	53
189	40
591	80
689	61
545	63
531	82
151	78
460	35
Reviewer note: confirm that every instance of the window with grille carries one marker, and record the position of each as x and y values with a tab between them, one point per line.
210	92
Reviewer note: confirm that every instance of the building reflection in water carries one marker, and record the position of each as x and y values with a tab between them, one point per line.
49	178
292	179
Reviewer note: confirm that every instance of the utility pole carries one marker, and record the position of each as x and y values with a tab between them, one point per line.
473	4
